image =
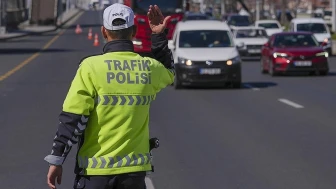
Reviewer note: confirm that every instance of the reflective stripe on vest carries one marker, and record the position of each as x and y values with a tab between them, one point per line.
124	100
112	162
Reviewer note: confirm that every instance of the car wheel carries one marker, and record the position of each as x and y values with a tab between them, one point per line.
177	83
271	69
236	84
312	73
262	70
323	73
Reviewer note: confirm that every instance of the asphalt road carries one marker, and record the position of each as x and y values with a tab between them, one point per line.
275	133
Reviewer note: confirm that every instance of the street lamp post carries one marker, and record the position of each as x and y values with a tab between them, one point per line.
222	7
257	10
333	15
3	9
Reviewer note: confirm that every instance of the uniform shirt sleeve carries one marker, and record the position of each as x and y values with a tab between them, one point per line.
161	51
163	59
166	76
74	117
80	98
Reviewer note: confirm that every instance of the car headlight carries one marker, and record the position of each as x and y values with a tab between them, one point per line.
283	55
325	54
184	61
241	46
234	60
137	42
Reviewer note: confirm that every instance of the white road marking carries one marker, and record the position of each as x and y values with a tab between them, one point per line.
290	103
149	183
251	87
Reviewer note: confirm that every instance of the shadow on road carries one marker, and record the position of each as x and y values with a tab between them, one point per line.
85	33
31	50
21	40
260	85
250	59
305	75
331	74
84	26
244	86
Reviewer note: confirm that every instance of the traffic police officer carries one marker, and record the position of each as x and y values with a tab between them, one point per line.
106	110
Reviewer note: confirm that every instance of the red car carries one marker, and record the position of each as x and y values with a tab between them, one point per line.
142	39
294	52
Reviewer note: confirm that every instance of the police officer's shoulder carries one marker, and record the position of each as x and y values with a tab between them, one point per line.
89	58
153	61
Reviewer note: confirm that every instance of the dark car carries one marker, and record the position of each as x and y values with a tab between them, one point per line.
237	20
294	52
197	16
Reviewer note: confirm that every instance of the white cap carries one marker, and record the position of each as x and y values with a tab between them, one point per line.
120	11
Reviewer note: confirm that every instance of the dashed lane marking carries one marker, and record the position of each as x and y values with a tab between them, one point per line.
149	183
290	103
35	55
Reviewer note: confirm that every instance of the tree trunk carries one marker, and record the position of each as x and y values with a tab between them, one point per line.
283	12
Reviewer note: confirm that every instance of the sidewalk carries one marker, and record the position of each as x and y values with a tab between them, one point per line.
333	47
26	29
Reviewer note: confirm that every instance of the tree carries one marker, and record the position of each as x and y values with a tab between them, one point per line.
284	6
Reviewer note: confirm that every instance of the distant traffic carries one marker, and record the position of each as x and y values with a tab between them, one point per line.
210	50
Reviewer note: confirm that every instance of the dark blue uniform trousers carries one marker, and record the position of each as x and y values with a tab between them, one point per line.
122	181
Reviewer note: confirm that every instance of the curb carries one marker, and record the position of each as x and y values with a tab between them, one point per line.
14	37
66	21
43	32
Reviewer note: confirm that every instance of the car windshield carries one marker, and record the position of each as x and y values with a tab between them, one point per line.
312	27
327	13
295	40
268	25
250	33
205	39
166	6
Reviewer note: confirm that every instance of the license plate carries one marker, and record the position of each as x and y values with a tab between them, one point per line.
254	51
303	63
210	71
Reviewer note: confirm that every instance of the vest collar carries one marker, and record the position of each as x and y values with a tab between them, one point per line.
118	45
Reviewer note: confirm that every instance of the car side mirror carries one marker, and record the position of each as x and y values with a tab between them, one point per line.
171	45
323	44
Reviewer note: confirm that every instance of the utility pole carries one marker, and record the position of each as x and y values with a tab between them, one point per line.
201	6
222	7
333	14
257	10
262	9
68	4
3	10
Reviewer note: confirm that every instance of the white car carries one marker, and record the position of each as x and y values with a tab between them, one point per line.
328	17
205	54
249	40
271	26
317	26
